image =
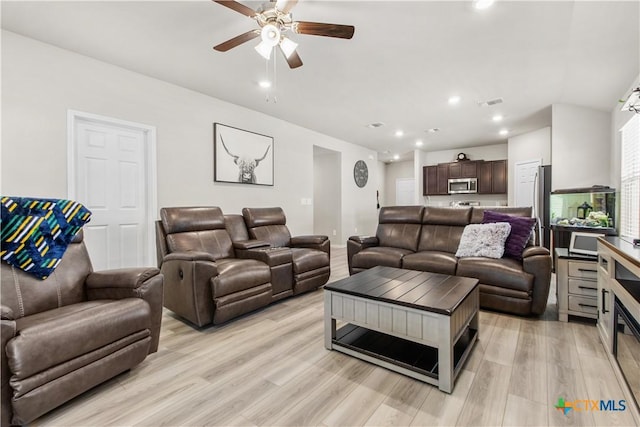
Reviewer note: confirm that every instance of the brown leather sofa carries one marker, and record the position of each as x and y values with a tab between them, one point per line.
72	331
216	269
426	239
310	254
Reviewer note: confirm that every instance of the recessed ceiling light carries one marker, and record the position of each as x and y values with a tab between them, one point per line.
399	133
396	156
497	118
482	4
419	143
454	99
504	132
433	130
264	84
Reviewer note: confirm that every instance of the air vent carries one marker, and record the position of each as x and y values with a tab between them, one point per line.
490	102
375	125
432	130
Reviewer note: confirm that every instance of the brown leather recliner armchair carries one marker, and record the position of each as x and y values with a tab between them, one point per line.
204	280
310	254
72	331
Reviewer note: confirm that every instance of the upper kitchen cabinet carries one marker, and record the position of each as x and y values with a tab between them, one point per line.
492	177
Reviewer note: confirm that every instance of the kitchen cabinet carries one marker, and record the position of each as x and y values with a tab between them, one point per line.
605	298
466	169
435	180
492	177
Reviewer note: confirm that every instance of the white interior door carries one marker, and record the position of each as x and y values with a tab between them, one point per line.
405	188
111	179
525	179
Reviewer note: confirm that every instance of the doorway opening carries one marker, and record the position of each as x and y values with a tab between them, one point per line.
327	193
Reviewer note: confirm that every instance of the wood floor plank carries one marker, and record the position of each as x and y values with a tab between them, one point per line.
524	412
442	409
529	374
385	415
487	397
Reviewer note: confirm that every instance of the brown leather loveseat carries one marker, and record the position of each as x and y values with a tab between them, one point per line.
72	331
216	268
426	239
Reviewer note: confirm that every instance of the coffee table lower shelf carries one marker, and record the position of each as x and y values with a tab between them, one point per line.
406	357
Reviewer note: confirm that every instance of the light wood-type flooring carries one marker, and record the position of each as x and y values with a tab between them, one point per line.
270	368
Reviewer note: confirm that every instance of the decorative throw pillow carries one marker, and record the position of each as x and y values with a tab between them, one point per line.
485	240
521	229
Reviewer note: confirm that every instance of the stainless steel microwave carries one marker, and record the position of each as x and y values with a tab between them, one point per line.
463	185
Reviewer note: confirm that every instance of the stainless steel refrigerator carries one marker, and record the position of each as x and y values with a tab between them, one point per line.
541	200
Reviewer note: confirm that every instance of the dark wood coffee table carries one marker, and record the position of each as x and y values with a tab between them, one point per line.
420	324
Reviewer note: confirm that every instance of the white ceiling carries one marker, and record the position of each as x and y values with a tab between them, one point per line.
403	63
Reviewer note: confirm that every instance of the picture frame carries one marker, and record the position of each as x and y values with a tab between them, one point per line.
241	156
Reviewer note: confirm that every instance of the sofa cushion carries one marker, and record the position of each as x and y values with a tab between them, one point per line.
521	230
432	261
404	236
305	259
235	275
62	334
379	255
485	240
441	238
504	272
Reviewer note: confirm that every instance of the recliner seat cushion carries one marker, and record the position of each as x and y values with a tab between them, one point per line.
379	255
431	261
504	272
63	334
235	275
308	259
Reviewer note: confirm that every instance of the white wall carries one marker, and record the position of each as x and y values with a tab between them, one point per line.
483	152
534	145
327	198
41	82
382	179
580	147
394	171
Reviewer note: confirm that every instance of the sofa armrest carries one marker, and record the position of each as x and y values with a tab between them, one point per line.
366	241
357	243
535	250
7	332
270	256
318	242
250	244
536	260
144	283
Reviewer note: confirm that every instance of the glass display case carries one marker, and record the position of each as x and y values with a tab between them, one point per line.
589	209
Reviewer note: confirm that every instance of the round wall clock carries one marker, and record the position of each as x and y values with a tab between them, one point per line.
360	173
461	157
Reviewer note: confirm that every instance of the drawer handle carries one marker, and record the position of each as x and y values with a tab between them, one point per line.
604	304
586	287
588	270
588	305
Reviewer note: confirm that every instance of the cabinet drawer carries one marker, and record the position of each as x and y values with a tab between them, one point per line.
583	304
583	287
583	269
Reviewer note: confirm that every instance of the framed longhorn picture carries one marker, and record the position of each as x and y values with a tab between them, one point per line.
241	156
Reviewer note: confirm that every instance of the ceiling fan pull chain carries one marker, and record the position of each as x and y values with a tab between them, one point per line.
275	82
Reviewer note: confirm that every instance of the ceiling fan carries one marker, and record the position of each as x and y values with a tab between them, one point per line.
274	19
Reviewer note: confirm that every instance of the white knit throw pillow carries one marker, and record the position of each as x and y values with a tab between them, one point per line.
486	240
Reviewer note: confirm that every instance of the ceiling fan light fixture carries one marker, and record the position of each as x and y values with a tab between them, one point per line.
264	49
270	35
288	46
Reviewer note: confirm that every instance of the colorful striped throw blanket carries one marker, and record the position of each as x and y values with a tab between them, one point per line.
35	233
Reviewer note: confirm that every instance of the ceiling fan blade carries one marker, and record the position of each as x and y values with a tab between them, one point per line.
293	60
236	41
238	7
285	6
326	30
